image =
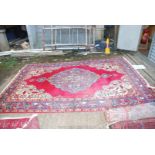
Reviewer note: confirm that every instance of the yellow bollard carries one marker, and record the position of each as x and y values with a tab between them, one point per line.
107	49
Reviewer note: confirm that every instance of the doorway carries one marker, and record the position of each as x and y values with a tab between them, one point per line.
16	36
146	39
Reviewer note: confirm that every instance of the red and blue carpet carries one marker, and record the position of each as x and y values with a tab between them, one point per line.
91	85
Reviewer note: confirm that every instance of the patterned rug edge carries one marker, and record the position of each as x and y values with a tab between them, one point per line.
11	81
148	85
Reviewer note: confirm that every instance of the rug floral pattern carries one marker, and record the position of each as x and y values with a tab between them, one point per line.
90	85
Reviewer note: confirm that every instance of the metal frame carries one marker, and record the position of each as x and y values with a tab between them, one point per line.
54	29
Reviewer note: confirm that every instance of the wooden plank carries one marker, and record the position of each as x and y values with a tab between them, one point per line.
152	59
143	59
150	70
142	72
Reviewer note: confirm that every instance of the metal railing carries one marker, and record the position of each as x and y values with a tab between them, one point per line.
68	36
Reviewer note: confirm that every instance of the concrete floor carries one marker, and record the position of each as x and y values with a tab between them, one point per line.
80	120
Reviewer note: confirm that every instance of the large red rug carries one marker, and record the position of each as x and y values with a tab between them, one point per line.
90	85
19	123
147	123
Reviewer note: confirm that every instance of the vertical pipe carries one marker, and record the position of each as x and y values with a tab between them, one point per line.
94	34
55	36
86	35
77	36
69	37
43	38
115	35
103	32
89	33
72	32
60	36
51	35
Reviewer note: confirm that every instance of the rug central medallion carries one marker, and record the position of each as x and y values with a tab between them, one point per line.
73	81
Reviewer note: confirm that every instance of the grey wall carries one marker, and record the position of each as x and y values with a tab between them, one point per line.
99	32
129	37
4	45
35	36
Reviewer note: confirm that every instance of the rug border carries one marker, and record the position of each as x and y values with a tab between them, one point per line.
58	111
11	81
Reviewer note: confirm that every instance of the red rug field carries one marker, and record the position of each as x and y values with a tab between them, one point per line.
91	85
19	123
147	123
